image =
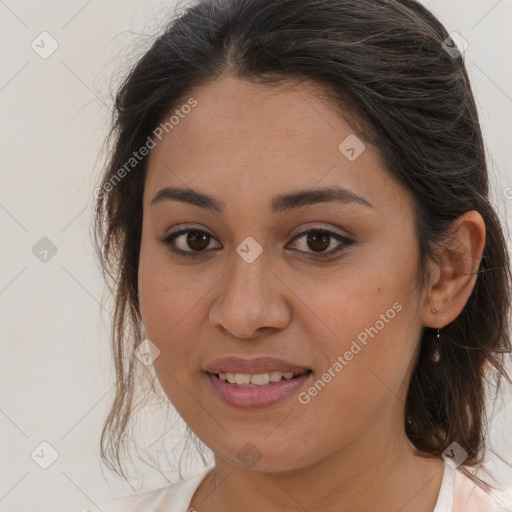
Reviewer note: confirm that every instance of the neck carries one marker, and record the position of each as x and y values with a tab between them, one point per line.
353	479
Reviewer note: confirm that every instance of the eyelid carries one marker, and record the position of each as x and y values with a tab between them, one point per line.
181	230
189	227
320	227
302	231
185	228
344	242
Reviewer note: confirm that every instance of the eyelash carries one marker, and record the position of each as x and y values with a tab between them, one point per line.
345	242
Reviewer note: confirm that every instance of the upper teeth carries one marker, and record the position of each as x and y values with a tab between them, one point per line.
257	379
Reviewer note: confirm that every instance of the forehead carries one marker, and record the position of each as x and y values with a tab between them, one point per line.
250	141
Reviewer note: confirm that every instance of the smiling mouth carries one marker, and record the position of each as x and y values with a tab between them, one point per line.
255	380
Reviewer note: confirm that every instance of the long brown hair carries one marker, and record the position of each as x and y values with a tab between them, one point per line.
383	63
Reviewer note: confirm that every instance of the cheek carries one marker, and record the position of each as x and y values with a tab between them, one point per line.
167	313
160	308
370	320
152	281
167	294
343	304
172	302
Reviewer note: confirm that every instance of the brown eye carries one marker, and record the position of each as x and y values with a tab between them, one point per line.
188	242
197	240
318	240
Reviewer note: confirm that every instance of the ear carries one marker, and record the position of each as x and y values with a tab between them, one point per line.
452	281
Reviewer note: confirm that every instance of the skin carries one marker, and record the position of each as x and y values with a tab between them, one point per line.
345	450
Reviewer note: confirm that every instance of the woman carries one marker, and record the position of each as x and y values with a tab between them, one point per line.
295	220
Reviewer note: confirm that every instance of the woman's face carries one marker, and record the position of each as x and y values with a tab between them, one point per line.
253	283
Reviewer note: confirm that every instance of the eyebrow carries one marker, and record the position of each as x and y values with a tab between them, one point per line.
281	203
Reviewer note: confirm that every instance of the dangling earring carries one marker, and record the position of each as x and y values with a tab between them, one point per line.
436	355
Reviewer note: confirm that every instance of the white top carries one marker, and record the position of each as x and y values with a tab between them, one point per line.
457	494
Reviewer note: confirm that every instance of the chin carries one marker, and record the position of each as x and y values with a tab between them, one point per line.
265	456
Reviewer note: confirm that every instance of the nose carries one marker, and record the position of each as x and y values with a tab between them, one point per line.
252	300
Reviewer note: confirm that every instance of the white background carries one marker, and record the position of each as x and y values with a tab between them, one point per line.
56	377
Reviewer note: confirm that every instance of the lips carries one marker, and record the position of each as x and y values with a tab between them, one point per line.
255	365
257	397
229	377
